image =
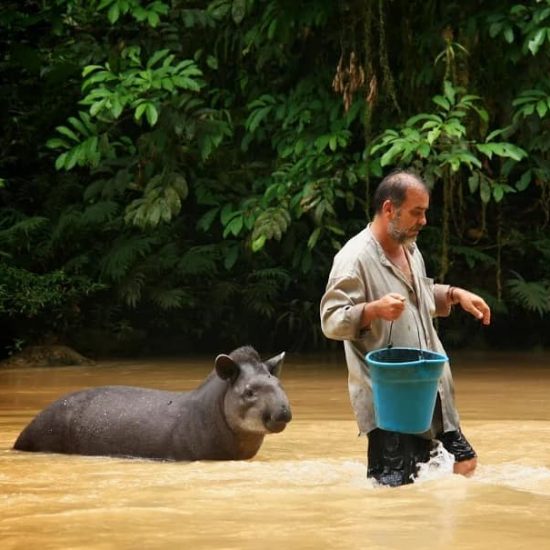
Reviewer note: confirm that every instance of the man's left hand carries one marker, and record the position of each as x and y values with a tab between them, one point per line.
474	304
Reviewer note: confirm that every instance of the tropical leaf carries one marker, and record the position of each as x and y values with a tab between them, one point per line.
270	224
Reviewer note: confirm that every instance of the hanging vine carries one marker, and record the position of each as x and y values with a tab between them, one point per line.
447	194
389	83
370	99
498	274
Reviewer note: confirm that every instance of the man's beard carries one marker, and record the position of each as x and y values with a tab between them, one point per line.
400	236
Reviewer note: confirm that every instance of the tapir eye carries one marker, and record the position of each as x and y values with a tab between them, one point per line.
248	393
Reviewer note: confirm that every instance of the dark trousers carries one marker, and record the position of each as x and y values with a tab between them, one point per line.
393	457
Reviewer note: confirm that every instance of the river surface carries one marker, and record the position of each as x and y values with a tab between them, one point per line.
307	486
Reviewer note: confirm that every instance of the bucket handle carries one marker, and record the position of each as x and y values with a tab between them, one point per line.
390	343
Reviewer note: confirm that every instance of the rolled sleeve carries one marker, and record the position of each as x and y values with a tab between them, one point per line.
342	309
441	297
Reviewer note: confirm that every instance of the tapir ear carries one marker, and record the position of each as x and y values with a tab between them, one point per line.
275	364
226	368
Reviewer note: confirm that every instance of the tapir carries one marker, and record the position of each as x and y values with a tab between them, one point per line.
224	418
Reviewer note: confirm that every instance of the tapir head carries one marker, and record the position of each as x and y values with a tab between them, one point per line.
255	400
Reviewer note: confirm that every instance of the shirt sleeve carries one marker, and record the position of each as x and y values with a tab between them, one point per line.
342	308
442	303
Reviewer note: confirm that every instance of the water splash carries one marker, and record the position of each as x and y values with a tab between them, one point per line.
440	465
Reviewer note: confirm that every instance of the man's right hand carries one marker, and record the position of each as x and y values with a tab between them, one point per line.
389	307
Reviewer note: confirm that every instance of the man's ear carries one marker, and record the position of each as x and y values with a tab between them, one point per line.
387	207
275	364
226	368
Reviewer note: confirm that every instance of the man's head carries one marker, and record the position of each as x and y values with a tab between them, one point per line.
402	200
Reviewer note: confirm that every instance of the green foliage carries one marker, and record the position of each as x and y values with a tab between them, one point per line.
27	294
180	154
18	234
161	201
526	22
81	141
529	102
443	140
270	224
533	296
123	255
140	86
150	13
473	257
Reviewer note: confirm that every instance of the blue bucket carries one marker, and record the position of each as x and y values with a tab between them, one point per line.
404	386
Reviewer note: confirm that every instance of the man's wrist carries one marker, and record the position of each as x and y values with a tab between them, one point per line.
452	295
369	314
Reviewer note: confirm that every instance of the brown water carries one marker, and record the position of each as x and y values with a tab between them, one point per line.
307	486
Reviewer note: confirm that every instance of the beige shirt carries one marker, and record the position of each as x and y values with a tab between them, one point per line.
361	273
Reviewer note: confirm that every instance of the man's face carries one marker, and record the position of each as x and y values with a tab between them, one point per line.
406	221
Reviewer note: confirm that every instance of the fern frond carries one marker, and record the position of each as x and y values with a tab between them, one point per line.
532	296
164	260
170	298
472	257
77	264
543	246
260	297
222	291
123	255
22	230
198	260
100	212
273	273
66	225
130	290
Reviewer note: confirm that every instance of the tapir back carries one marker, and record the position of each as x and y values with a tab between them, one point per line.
111	420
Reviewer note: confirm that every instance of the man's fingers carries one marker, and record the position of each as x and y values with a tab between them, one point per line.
481	313
487	316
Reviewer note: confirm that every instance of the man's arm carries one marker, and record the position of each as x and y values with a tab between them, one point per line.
342	309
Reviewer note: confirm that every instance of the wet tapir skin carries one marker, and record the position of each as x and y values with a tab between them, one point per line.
225	418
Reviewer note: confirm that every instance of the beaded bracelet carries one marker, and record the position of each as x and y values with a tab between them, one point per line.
450	294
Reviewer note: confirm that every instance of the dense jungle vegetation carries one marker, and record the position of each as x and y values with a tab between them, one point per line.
177	175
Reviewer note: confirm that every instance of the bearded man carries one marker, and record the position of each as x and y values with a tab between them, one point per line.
378	286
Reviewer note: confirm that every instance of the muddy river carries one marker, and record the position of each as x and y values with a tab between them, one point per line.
306	488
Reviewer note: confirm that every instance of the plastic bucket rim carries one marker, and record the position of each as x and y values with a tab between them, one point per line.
441	358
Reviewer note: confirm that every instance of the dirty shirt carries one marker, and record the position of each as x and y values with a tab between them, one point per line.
361	273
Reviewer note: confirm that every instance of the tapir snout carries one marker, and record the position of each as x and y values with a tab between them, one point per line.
277	422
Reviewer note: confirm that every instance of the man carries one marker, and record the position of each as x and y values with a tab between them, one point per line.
378	280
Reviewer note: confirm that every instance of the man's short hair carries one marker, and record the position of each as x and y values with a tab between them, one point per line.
394	187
